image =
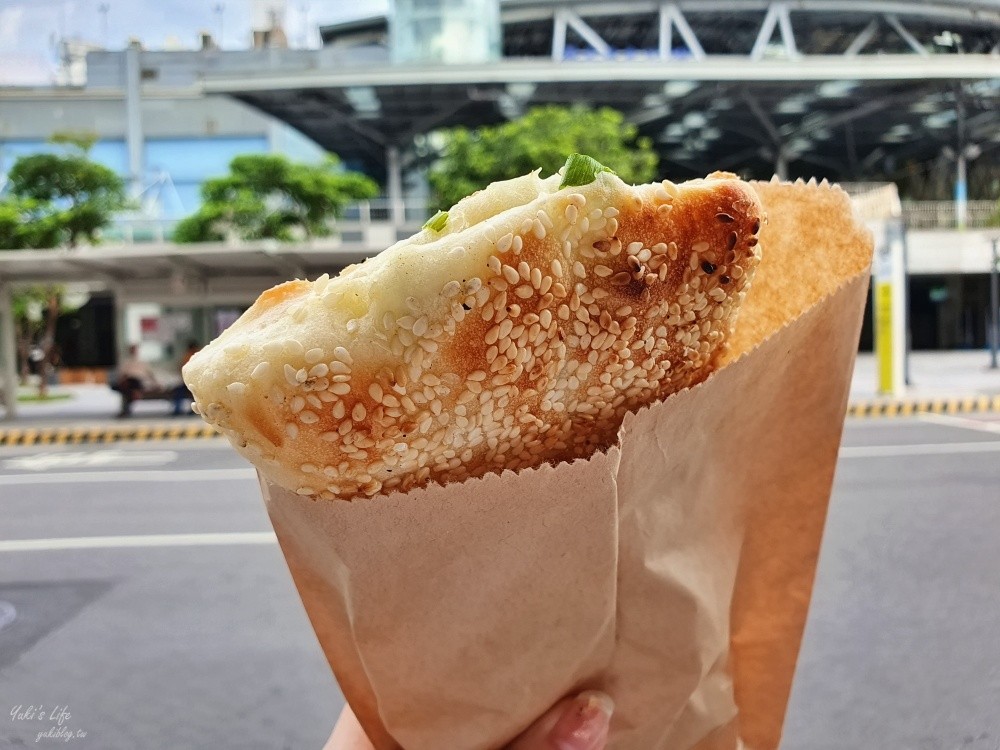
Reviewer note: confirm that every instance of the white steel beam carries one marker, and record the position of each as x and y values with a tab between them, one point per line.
787	34
968	67
862	39
905	34
590	36
558	35
685	31
765	33
666	42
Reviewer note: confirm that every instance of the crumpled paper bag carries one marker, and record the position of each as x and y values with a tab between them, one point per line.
673	571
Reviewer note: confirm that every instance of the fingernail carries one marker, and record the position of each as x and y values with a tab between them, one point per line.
584	725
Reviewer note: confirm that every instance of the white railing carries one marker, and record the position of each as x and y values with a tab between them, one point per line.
411	215
941	214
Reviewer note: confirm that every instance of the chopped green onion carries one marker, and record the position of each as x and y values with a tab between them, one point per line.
437	221
581	170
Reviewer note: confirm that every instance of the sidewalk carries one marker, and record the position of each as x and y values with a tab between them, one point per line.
942	382
959	381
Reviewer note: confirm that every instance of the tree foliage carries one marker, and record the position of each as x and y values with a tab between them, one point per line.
266	196
58	199
542	138
52	200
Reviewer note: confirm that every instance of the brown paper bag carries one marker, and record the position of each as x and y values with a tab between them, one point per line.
673	571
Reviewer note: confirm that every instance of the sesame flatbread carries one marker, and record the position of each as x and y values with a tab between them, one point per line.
515	330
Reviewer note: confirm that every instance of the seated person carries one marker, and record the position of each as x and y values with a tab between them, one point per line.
134	378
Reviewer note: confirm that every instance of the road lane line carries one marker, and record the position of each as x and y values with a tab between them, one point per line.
143	540
139	477
918	449
965	423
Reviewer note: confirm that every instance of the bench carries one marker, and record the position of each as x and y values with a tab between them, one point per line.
160	393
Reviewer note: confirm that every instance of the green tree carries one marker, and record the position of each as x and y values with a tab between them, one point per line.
542	138
52	200
266	196
63	197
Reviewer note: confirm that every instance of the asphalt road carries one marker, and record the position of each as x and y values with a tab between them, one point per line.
142	641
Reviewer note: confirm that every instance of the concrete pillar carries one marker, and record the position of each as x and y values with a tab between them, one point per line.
133	117
121	325
8	352
394	185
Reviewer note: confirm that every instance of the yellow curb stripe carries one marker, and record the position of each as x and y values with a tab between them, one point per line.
909	407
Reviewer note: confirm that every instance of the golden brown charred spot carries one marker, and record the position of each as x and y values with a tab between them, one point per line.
268	427
283	292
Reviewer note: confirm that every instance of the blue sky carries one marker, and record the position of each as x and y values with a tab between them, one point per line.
29	29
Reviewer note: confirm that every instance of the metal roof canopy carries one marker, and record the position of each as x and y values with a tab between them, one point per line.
848	89
179	275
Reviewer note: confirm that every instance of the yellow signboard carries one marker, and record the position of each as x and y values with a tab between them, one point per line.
883	335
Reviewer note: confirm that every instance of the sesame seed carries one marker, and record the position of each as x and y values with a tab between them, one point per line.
662	195
297	404
621	279
603	271
262	371
451	289
756	226
571	213
358	412
338	410
318	370
579	270
340	389
524	291
645	254
292	430
420	327
352	325
294	347
510	274
517	244
700	247
538	229
504	243
343	355
672	190
290	375
473	285
556	267
708	267
308	417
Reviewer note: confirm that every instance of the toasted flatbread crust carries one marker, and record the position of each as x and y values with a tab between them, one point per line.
520	334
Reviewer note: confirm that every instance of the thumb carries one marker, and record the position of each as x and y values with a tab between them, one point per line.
579	723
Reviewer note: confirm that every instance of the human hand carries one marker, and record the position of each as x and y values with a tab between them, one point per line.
579	723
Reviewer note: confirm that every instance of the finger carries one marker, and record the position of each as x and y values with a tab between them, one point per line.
348	734
579	723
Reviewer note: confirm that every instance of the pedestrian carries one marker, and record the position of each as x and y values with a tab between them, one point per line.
133	379
181	392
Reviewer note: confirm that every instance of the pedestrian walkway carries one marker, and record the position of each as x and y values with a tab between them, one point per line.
939	382
946	382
